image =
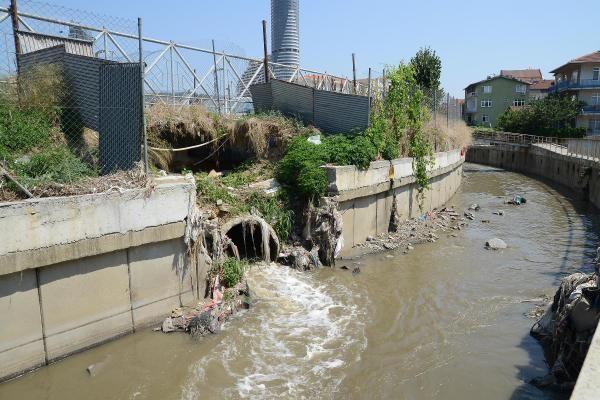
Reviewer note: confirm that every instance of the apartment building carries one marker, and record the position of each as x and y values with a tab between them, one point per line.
580	78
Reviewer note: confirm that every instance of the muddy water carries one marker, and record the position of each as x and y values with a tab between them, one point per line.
446	321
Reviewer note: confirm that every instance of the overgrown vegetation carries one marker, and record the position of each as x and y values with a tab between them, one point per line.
552	116
233	191
32	144
257	136
396	129
233	271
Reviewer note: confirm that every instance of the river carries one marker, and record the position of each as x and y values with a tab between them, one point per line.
445	321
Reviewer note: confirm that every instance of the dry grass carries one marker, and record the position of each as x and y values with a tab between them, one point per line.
182	125
43	88
263	136
118	181
448	135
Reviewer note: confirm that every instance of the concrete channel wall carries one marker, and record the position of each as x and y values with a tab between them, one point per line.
365	197
80	270
578	174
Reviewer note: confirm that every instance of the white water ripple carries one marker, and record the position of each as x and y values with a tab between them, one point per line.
298	333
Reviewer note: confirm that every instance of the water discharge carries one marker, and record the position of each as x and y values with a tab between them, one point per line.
445	321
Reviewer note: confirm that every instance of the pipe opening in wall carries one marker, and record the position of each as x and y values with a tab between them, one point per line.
251	238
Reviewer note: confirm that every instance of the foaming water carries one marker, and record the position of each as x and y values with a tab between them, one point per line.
445	321
296	342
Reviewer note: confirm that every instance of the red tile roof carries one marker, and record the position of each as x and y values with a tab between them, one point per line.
528	74
588	58
544	84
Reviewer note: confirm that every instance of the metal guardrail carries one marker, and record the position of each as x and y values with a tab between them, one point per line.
583	83
582	148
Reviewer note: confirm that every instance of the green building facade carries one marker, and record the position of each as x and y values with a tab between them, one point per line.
486	100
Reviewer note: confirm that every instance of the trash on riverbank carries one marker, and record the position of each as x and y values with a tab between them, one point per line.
517	200
566	329
208	316
495	244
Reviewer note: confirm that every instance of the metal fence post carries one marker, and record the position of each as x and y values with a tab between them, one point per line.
216	78
15	28
447	110
172	74
369	99
142	117
265	51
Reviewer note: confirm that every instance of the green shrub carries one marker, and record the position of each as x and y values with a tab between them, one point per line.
233	271
54	164
22	130
276	210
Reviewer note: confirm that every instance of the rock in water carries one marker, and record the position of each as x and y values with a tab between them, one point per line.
495	244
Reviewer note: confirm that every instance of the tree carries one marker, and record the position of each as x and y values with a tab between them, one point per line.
552	116
427	67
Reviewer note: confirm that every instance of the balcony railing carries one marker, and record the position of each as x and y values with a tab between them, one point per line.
582	84
593	109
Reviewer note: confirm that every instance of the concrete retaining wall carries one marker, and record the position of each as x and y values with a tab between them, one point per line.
366	197
78	271
580	175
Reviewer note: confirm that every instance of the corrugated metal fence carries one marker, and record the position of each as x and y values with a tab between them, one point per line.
103	96
120	116
329	111
81	74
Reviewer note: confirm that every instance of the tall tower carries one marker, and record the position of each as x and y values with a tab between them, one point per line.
285	36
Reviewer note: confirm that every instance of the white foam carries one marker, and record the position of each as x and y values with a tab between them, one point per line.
293	342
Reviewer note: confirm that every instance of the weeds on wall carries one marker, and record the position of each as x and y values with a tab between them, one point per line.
232	189
233	271
396	129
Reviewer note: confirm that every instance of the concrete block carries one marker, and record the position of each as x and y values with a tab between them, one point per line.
402	167
340	178
346	208
85	302
156	272
365	218
384	212
378	172
403	200
21	343
45	222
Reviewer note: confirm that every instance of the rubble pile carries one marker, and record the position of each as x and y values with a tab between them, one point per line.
208	315
566	329
425	228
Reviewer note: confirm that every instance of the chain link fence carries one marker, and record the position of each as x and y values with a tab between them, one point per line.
72	96
446	125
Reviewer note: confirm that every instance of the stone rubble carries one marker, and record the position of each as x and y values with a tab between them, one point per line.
417	230
566	329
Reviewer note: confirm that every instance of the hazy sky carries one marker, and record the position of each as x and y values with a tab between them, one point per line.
473	38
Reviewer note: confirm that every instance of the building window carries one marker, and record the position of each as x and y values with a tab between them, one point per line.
596	74
486	103
518	102
521	89
594	128
485	118
487	89
596	99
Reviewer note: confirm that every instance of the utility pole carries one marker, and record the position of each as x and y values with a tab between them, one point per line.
354	72
265	51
